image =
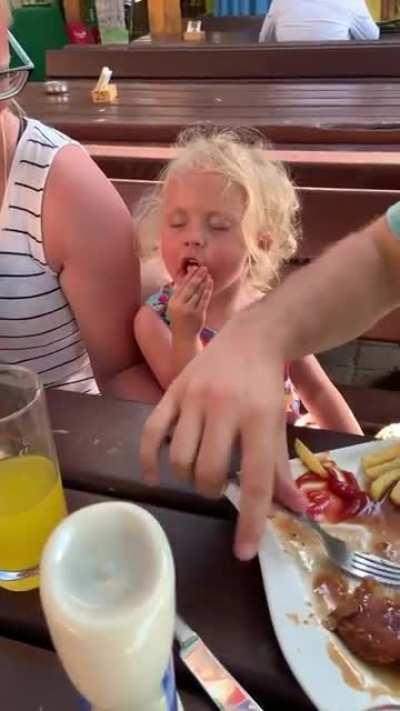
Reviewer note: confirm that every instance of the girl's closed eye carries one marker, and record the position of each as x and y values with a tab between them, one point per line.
217	222
177	219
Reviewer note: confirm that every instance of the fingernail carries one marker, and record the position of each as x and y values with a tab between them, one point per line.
245	551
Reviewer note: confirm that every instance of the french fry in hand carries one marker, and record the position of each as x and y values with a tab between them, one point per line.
309	459
380	486
380	457
378	469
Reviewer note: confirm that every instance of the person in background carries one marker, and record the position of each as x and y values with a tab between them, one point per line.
233	390
69	273
318	21
224	218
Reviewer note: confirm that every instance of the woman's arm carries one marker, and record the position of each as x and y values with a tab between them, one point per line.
89	241
322	400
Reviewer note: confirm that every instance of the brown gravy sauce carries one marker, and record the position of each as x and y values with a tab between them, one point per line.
350	674
329	585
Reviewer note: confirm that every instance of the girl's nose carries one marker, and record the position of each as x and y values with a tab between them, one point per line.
194	238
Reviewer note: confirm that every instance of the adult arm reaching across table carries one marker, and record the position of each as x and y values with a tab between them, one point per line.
233	391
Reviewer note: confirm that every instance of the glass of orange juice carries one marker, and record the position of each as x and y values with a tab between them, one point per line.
31	496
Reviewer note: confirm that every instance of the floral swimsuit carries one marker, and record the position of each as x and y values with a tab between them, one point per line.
159	303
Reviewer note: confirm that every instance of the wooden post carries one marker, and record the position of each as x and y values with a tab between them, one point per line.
386	9
390	9
165	19
72	10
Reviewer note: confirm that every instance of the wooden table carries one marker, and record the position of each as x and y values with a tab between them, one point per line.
223	599
291	112
33	680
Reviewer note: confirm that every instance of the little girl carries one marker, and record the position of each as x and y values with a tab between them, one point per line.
224	220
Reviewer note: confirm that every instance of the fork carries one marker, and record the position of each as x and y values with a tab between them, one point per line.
356	563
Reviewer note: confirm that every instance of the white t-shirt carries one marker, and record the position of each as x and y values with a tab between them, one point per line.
318	20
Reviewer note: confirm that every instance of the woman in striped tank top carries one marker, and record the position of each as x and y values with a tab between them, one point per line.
69	274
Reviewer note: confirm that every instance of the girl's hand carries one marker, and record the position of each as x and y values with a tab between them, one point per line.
187	308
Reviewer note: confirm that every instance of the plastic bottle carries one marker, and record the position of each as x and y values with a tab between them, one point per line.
107	587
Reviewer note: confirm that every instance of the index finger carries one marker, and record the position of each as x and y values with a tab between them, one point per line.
155	432
257	483
285	491
182	277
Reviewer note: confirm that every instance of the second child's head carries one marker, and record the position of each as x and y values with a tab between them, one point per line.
224	205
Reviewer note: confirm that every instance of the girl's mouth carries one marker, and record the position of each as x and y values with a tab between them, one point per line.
188	263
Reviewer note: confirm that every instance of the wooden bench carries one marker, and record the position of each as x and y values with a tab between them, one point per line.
367	61
328	215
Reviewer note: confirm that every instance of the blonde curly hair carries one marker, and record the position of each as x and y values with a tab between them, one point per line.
270	219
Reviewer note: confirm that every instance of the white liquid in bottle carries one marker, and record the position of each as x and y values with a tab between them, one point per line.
107	587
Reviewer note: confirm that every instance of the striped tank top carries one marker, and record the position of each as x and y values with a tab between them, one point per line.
37	327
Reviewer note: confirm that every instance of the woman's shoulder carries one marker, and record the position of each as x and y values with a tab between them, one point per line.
42	135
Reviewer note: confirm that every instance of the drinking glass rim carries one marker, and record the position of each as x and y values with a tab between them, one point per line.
37	393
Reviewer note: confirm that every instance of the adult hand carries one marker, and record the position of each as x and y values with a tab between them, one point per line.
232	392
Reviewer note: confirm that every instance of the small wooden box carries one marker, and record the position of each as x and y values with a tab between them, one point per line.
105	96
194	36
194	33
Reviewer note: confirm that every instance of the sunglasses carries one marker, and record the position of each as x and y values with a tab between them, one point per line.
14	78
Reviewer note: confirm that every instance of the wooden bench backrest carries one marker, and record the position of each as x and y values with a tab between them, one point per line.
371	170
327	215
311	61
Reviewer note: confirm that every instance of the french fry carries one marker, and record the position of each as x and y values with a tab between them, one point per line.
325	458
380	457
378	469
380	486
309	459
394	495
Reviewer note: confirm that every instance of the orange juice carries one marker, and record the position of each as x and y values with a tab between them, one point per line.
31	505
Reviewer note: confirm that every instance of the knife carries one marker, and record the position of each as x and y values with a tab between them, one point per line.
217	682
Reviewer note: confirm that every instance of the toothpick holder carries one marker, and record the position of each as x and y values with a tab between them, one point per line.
105	96
193	32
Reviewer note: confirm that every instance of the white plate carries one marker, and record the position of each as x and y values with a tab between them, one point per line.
306	645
